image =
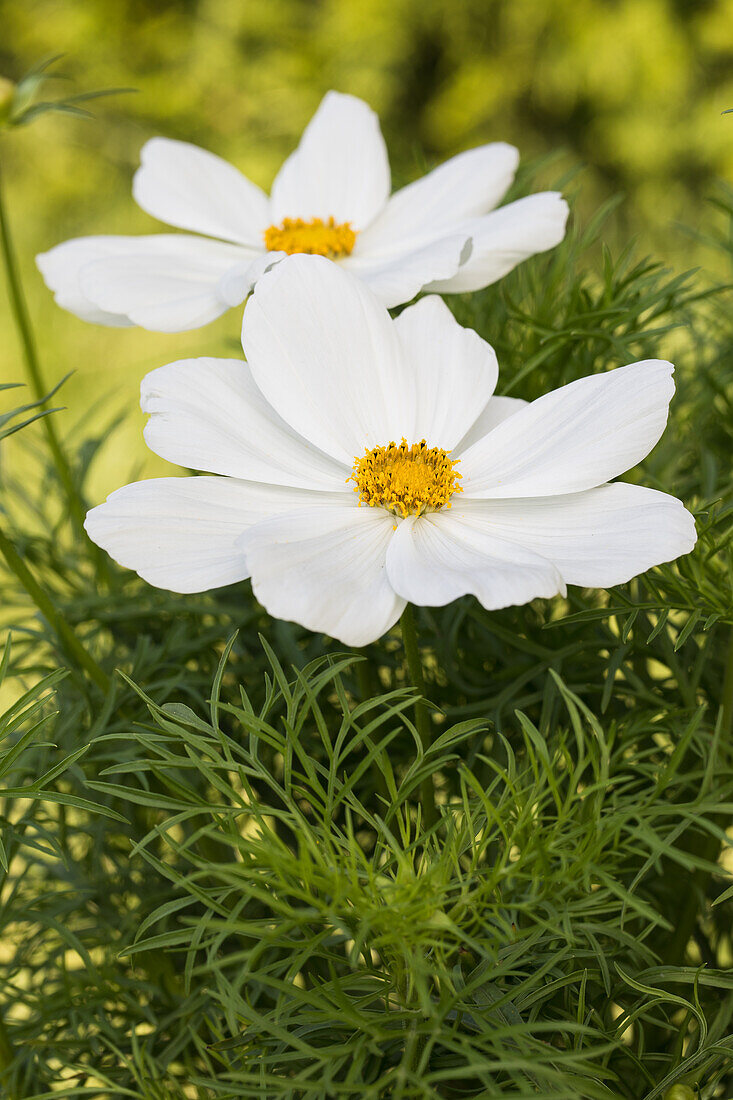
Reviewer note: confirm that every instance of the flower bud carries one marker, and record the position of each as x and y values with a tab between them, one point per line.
679	1092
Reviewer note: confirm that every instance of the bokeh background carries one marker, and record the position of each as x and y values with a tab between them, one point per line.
601	96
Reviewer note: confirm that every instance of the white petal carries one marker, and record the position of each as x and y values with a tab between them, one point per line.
326	355
340	169
209	414
166	283
191	188
597	538
456	371
60	267
326	571
397	279
435	558
464	187
504	238
239	281
575	437
181	533
495	412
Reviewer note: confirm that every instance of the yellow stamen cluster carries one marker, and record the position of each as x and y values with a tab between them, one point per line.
406	479
316	237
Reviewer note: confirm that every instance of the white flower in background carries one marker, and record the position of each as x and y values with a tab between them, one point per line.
366	463
330	198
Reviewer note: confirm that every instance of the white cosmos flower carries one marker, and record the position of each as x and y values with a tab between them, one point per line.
331	197
506	500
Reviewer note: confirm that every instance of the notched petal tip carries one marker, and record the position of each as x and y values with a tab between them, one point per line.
688	532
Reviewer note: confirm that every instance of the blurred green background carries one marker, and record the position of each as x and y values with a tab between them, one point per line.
630	91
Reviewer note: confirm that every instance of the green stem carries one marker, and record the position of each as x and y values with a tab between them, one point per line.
25	332
367	688
7	1055
726	700
364	678
708	846
422	717
61	628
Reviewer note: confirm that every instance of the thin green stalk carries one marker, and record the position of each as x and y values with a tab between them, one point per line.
7	1055
726	699
367	688
708	846
364	678
61	628
21	316
422	717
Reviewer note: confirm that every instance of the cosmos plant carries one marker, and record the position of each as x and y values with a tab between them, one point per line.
474	858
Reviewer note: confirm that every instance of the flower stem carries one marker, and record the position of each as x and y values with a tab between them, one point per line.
364	678
7	1053
726	700
368	688
7	1057
422	717
61	628
709	846
21	316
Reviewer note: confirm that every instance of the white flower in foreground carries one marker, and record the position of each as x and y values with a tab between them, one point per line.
330	198
339	407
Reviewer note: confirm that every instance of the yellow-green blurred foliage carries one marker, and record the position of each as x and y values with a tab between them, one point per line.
631	89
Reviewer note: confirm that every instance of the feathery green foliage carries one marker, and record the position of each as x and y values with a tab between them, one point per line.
217	880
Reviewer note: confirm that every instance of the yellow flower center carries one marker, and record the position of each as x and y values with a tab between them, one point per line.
316	237
405	479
